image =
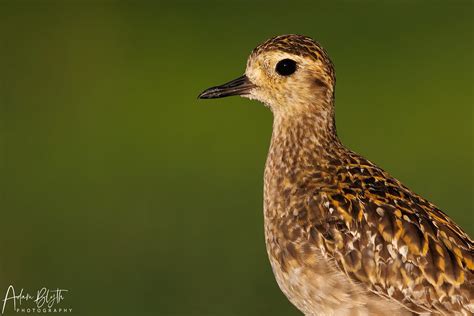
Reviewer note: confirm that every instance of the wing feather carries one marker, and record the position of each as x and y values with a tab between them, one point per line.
394	242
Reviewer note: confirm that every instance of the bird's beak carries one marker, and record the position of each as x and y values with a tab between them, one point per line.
239	86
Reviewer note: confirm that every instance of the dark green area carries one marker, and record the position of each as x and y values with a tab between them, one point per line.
119	185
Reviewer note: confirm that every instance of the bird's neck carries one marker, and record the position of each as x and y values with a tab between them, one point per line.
303	153
302	136
302	143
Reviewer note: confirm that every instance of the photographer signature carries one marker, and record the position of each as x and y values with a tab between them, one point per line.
44	298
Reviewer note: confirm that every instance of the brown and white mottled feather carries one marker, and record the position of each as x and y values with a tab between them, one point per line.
343	236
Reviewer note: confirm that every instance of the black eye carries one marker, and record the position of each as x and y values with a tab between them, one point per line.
286	67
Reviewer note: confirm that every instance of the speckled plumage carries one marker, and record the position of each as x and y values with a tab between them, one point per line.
342	235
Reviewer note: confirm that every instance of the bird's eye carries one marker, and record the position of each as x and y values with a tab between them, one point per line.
286	67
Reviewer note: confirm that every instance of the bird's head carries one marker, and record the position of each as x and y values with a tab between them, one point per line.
288	73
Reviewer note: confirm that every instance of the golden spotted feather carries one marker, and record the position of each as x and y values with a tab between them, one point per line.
393	241
384	237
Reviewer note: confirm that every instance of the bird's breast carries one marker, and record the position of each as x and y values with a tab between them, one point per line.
302	268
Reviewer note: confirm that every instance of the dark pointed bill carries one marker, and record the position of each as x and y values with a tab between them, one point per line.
239	86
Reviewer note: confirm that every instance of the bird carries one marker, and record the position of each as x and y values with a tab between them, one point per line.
342	235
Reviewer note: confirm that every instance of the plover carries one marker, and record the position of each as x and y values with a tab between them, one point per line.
342	235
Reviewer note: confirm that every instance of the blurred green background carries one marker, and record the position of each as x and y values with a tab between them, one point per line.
119	185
